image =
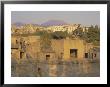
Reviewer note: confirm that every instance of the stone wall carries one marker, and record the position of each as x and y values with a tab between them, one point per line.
15	53
73	44
61	48
58	47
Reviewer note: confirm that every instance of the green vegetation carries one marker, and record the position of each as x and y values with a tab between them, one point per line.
59	34
90	36
46	38
78	32
93	35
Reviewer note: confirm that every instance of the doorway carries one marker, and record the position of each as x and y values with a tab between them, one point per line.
86	55
73	53
47	57
21	55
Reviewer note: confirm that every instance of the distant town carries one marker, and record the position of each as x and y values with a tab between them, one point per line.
55	48
32	28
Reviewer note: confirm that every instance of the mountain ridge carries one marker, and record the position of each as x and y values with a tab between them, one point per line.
45	24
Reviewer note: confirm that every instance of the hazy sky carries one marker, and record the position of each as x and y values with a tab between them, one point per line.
39	17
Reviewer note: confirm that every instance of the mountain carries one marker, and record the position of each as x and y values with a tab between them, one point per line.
18	24
47	23
36	25
53	22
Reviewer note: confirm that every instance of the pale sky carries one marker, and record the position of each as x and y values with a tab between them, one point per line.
38	17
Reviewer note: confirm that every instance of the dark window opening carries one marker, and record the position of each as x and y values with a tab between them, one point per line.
16	41
92	55
21	55
86	55
73	53
47	57
95	55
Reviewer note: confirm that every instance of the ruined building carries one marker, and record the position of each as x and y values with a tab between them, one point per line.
63	49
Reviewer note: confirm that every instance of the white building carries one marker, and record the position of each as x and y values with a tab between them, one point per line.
30	28
69	28
85	29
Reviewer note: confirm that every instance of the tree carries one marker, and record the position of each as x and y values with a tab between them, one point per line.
78	32
59	34
93	35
